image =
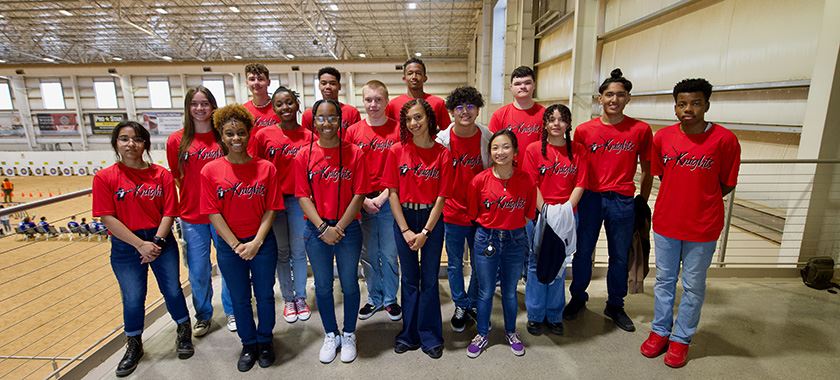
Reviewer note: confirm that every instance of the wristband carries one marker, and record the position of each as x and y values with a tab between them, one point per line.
405	230
235	245
323	227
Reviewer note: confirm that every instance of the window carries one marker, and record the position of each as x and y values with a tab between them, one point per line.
497	60
318	95
159	95
275	82
52	95
106	94
5	96
217	88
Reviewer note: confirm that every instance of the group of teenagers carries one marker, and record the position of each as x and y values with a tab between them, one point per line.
388	191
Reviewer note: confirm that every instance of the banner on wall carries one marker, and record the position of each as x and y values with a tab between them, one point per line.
104	123
11	126
163	123
57	123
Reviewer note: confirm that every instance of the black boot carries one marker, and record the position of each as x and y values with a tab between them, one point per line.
266	357
248	357
133	353
183	341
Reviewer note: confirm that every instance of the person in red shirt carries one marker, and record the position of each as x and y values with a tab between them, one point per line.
524	116
329	84
615	143
280	144
187	151
260	107
558	166
467	143
501	200
331	183
697	163
375	135
137	202
414	76
418	174
240	195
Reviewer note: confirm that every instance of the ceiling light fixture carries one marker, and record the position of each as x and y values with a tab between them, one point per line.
417	54
362	55
290	56
2	61
138	27
234	9
64	12
48	59
333	7
117	58
166	58
161	11
237	56
412	5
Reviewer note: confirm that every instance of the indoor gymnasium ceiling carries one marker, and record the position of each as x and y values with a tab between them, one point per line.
98	31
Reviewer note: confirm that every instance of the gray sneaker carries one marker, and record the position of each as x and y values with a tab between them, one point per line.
201	328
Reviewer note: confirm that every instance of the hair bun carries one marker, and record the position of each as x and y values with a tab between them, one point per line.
616	73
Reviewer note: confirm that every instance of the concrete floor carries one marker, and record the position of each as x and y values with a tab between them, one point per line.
750	328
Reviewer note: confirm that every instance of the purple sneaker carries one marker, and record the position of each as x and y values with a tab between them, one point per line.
477	346
515	344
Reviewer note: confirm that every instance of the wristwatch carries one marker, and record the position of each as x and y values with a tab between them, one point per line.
425	232
159	241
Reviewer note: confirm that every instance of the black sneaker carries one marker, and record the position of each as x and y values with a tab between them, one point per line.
620	318
266	356
555	328
459	319
402	348
368	311
394	311
535	328
247	358
574	307
473	313
435	352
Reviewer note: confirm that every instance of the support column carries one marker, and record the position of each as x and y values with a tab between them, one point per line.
77	99
350	93
128	96
584	68
22	104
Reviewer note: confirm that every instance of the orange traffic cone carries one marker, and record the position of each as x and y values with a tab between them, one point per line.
30	195
40	195
51	195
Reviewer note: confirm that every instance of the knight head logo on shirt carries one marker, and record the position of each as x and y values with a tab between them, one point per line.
271	152
403	169
120	193
220	193
542	169
487	204
203	154
467	161
682	159
240	190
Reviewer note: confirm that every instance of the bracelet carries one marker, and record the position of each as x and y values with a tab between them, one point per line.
236	245
323	227
405	230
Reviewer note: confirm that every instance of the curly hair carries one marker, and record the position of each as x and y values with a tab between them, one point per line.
565	116
464	95
232	112
405	135
694	85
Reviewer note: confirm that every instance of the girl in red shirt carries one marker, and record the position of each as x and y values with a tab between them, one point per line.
557	165
501	199
137	203
280	144
418	173
187	151
331	183
241	194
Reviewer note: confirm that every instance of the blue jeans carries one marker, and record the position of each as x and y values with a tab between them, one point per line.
456	236
241	276
617	214
505	261
133	276
422	321
379	257
289	227
198	237
695	259
346	255
544	301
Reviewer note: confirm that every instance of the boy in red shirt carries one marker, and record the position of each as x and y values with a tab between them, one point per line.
257	80
375	135
414	76
329	83
524	116
615	143
697	163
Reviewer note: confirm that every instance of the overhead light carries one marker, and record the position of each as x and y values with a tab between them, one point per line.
117	58
166	58
290	56
48	59
138	27
412	5
417	54
1	16
234	9
333	7
237	56
161	11
362	55
2	61
64	12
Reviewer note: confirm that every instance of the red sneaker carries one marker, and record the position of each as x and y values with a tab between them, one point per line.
654	346
677	354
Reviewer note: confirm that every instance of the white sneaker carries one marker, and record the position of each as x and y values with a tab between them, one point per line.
332	343
348	347
231	322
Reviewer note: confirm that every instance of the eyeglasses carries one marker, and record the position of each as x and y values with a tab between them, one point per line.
465	108
126	139
326	119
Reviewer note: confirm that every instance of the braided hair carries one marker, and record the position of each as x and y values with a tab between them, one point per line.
566	117
405	135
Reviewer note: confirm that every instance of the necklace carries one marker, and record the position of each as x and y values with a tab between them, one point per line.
263	105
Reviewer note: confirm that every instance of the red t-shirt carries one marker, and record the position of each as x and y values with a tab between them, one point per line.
689	205
525	124
438	106
500	204
263	117
187	169
466	163
375	143
349	116
322	166
419	175
281	147
241	193
612	153
139	198
555	174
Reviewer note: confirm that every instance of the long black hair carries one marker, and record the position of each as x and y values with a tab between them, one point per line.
139	130
565	116
340	148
